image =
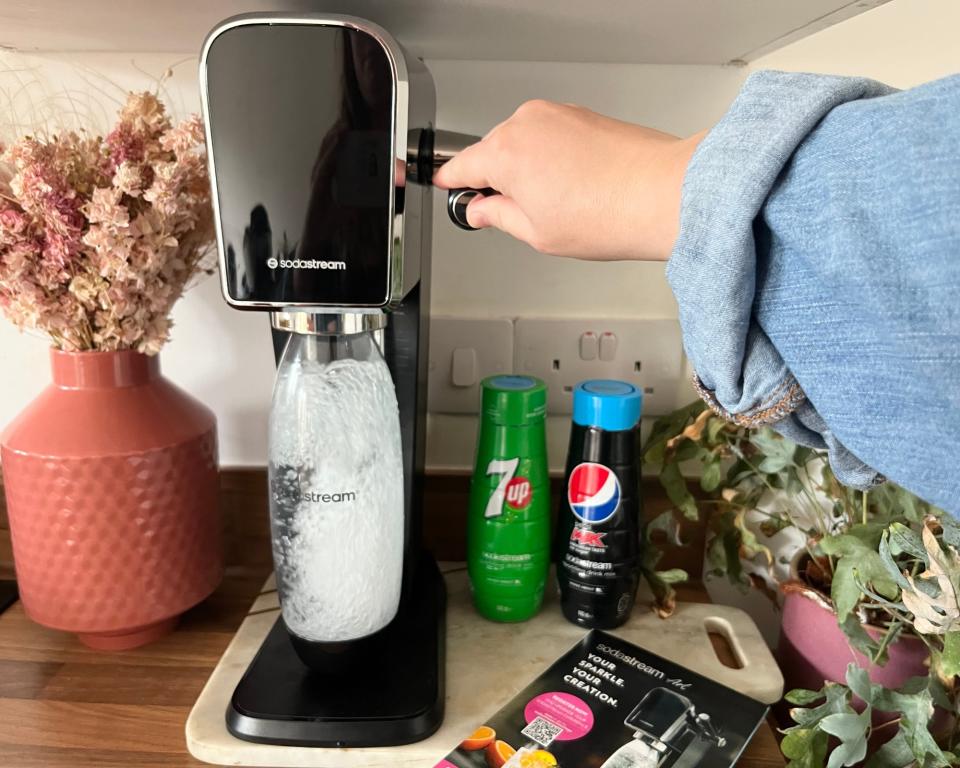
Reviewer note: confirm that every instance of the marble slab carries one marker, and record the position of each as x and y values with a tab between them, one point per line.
487	664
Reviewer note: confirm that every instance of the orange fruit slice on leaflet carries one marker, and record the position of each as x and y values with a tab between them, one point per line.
539	759
498	752
479	739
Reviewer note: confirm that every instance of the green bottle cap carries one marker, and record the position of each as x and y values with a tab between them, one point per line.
515	401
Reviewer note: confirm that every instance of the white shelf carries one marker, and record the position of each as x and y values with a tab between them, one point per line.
623	31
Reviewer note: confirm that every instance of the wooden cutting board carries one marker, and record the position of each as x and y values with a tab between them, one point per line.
487	664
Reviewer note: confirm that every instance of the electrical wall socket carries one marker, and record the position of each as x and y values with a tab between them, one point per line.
647	353
462	352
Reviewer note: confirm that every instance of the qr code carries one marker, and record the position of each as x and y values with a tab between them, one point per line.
542	731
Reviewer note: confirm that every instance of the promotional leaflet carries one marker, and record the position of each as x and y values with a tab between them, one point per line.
609	704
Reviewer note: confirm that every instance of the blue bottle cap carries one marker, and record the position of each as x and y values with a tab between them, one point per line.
513	400
607	404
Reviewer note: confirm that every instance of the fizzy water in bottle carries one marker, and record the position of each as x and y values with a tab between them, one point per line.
336	488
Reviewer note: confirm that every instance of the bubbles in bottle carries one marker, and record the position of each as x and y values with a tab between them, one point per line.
336	497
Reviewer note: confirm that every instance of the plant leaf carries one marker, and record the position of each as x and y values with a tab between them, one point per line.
673	576
891	502
664	595
886	557
750	547
916	711
856	540
710	479
667	523
869	534
844	591
951	530
905	540
805	747
852	750
859	639
859	563
773	445
837	700
935	614
772	464
847	726
692	432
730	541
842	544
801	697
686	451
950	658
676	487
665	427
793	486
858	680
714	427
895	753
914	702
772	525
938	693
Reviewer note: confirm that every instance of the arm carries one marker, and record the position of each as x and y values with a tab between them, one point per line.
575	183
815	246
830	209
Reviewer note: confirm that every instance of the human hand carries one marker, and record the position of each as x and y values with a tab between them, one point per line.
576	183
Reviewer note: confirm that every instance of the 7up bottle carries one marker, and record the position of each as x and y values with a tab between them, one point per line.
508	528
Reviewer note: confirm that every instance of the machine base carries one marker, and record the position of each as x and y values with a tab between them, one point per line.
395	696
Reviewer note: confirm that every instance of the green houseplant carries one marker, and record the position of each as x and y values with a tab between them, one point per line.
884	563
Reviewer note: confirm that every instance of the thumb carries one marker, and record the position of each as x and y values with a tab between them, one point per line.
500	212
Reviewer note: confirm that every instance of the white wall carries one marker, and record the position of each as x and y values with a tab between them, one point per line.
223	356
903	43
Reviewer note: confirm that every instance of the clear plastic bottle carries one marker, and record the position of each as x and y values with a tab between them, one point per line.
336	488
634	754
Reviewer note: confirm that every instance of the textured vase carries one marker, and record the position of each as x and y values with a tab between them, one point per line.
111	484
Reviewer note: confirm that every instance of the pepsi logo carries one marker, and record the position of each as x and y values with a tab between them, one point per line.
593	492
519	493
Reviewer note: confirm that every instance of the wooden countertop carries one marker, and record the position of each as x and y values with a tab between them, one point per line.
65	706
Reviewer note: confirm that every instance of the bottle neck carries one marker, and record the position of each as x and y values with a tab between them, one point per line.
310	348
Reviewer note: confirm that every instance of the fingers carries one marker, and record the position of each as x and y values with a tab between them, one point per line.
501	213
470	168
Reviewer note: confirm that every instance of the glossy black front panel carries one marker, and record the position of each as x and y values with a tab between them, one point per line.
301	125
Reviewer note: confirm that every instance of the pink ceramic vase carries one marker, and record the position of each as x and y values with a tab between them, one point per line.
111	484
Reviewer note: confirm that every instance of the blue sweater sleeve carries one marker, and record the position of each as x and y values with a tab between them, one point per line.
817	272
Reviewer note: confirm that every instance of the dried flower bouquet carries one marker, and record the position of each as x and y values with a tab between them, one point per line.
100	236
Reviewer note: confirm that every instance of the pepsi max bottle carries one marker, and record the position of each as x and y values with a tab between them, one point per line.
598	531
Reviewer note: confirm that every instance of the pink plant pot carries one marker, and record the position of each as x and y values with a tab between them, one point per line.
111	484
813	650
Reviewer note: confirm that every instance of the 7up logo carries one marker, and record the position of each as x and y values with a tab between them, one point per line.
515	490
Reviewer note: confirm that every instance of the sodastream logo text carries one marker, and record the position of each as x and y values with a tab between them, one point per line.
273	263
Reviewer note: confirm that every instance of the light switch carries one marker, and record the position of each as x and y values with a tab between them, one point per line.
463	367
588	346
608	346
464	350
